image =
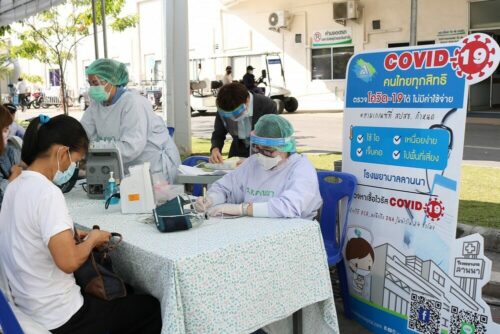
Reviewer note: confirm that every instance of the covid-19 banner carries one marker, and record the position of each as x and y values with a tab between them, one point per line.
404	127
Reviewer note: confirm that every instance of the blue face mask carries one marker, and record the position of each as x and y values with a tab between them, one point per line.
61	178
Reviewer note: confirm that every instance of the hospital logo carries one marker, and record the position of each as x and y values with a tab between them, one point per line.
317	36
364	70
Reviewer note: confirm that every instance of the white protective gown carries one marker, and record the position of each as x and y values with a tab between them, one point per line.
140	134
291	190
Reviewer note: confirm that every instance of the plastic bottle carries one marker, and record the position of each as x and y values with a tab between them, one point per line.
111	189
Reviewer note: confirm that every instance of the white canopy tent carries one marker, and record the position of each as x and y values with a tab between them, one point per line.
15	10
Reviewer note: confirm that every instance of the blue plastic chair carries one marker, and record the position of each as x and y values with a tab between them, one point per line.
333	187
8	320
193	161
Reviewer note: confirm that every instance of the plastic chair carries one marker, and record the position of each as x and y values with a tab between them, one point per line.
193	161
8	320
333	187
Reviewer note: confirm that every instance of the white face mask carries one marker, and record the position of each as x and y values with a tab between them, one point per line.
267	162
362	272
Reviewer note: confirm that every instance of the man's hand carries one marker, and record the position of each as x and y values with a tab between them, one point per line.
15	171
215	156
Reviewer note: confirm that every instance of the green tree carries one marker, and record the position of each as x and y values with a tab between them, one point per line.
51	36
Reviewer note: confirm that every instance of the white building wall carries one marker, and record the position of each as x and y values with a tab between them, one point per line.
243	28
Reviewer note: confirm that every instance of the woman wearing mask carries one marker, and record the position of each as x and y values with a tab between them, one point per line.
125	115
9	155
274	182
37	248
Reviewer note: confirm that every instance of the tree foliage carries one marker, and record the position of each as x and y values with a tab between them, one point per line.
51	36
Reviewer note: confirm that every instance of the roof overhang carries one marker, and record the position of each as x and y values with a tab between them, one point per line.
15	10
230	3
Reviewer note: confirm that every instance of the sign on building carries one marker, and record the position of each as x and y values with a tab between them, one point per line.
404	126
331	37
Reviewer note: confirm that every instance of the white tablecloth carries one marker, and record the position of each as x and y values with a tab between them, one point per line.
225	276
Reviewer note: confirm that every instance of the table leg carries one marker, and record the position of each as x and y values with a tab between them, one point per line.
297	322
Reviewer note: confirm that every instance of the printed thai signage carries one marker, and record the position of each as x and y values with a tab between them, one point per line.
331	37
451	35
404	125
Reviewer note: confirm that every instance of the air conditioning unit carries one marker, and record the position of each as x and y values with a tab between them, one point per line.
279	20
346	10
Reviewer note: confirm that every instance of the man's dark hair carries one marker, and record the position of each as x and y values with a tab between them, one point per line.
231	96
62	130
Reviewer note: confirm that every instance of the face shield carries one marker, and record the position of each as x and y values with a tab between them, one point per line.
237	122
267	146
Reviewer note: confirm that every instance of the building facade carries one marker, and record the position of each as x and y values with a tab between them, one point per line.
315	39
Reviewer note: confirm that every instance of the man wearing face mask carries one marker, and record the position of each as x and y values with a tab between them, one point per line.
125	115
274	181
237	113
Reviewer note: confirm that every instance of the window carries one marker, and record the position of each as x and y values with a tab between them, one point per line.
330	63
403	44
438	278
158	73
55	77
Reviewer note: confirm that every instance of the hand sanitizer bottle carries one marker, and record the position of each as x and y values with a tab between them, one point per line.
111	189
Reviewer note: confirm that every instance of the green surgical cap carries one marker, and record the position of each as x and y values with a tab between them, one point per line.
276	126
109	70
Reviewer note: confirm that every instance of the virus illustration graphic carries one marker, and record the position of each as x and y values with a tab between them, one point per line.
474	57
434	209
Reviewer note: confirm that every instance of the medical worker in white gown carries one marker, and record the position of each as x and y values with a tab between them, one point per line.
274	181
127	117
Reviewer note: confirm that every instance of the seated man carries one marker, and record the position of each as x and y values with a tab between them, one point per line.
274	182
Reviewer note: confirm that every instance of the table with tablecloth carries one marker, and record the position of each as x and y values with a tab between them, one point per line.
225	276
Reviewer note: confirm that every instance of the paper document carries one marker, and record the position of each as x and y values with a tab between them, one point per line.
188	170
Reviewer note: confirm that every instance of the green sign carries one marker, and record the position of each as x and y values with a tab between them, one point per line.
331	37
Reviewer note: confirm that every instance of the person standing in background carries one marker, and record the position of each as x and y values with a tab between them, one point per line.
127	117
237	112
22	90
228	77
12	92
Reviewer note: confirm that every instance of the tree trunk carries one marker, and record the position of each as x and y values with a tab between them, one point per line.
64	102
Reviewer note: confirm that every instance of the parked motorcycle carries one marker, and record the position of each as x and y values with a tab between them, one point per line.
35	100
47	101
